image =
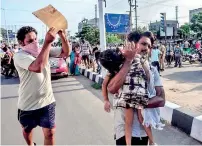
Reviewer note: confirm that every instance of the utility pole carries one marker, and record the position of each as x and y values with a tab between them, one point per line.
102	30
135	8
165	30
176	12
96	15
130	13
6	25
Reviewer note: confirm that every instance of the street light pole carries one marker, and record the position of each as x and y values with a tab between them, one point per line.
102	30
6	25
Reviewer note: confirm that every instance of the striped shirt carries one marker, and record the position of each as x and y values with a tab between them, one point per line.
85	48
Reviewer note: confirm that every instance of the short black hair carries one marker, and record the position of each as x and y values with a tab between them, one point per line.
95	49
150	35
23	31
136	36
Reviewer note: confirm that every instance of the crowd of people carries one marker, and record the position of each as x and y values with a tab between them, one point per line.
133	77
7	64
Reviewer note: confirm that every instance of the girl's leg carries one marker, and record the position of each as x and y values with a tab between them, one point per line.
147	129
129	114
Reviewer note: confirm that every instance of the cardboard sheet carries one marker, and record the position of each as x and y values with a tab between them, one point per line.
51	17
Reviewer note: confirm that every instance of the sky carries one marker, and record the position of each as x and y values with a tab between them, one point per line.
19	12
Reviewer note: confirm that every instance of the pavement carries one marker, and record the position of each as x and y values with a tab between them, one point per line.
80	117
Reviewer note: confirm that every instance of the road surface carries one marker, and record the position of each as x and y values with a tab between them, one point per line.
80	117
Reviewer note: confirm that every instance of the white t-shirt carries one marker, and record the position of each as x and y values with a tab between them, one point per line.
35	89
186	44
119	117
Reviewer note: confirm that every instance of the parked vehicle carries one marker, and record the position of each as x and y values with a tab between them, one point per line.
59	66
196	56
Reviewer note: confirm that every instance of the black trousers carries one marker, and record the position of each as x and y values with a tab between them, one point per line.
178	61
169	59
156	64
135	141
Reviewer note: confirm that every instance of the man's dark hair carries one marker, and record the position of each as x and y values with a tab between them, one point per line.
23	31
136	36
150	35
95	49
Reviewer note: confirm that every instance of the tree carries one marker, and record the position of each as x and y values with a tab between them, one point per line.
196	23
184	30
113	39
3	33
89	33
141	29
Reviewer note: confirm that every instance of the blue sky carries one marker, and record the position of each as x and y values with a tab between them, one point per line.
19	12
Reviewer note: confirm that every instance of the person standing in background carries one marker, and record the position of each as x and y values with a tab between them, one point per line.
162	56
169	54
15	48
75	59
178	55
155	54
198	45
186	45
85	51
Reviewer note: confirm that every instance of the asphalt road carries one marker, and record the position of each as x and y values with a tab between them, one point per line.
80	118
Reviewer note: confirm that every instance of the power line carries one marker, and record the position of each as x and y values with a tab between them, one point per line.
16	10
156	3
117	2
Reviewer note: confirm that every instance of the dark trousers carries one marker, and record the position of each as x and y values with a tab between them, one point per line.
178	61
156	64
169	59
135	141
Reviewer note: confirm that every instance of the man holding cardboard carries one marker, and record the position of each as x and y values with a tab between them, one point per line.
36	103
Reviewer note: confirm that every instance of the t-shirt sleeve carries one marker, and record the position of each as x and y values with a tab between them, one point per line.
23	60
157	79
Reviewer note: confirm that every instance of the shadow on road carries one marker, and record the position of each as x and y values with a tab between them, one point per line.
197	88
9	97
68	90
77	84
186	76
9	81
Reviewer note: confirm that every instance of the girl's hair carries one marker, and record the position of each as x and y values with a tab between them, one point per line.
75	45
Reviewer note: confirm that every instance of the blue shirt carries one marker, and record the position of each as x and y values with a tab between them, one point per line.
155	55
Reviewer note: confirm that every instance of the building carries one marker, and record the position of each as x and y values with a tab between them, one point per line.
193	12
172	26
92	22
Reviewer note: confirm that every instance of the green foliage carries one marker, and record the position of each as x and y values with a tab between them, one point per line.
184	30
3	33
196	23
96	86
89	33
92	35
113	39
141	29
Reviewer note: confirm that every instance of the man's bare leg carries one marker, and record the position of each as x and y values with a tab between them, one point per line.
49	136
129	114
28	137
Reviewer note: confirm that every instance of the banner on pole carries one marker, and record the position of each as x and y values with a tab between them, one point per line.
117	23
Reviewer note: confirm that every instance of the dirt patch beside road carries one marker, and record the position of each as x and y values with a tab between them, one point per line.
183	86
